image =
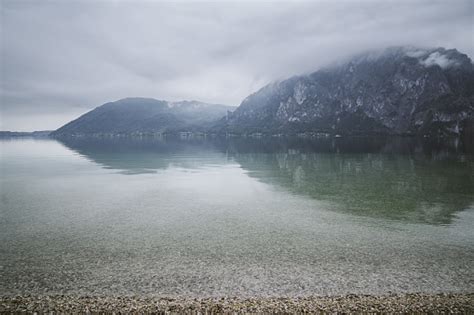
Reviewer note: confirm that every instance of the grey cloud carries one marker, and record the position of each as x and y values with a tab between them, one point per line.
439	59
59	59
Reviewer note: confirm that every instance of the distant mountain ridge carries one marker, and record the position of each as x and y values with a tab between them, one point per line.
144	116
400	90
396	91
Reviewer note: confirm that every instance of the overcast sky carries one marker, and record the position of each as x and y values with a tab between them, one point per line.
60	59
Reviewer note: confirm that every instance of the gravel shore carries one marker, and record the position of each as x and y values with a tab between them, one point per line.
419	303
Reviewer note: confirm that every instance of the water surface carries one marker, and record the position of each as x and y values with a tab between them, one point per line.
235	216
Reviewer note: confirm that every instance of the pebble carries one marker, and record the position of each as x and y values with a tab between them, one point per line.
396	303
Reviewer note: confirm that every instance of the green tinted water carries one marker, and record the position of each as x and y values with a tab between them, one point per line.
236	217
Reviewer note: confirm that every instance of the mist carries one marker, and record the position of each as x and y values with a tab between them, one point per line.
61	59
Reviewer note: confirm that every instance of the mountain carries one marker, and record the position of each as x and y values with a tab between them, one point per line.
400	90
143	116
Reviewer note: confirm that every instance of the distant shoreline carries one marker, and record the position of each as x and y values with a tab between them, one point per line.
204	135
414	302
52	134
25	134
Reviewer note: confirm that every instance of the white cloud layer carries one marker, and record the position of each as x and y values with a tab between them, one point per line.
61	58
438	59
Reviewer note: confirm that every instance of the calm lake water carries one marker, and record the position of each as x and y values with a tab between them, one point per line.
236	217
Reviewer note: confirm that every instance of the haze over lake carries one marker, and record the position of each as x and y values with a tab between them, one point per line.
280	217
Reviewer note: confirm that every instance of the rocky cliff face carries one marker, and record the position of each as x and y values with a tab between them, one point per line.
396	91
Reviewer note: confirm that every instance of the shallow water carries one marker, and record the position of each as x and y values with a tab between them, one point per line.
235	217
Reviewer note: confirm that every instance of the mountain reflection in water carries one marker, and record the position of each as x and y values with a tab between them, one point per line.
388	178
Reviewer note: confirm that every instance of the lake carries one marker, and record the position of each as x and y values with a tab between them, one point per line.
238	217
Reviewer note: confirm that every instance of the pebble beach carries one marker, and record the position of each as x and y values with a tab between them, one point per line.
397	303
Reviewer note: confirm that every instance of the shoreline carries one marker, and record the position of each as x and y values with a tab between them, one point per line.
412	302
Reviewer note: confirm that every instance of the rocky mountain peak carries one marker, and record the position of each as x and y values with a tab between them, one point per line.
399	90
